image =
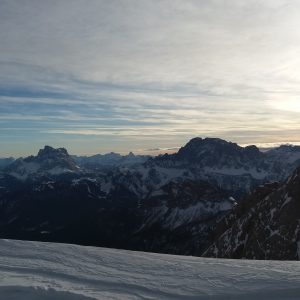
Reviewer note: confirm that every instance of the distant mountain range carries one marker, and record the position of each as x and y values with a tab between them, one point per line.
183	203
100	161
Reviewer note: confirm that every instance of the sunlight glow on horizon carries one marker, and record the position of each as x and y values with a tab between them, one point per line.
126	76
292	105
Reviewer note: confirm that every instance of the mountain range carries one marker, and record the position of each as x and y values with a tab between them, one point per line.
206	199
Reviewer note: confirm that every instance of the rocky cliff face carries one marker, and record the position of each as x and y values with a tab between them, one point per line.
265	226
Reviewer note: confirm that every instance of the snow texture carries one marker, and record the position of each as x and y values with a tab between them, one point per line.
34	270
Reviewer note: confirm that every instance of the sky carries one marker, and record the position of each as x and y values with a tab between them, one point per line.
96	76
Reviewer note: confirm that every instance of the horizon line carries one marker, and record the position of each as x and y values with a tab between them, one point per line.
156	151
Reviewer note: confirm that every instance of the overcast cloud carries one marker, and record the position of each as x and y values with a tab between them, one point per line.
97	76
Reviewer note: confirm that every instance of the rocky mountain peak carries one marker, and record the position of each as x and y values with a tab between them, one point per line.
199	147
252	150
131	154
218	153
50	152
48	160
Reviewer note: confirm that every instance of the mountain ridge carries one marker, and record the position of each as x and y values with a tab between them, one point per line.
264	226
181	196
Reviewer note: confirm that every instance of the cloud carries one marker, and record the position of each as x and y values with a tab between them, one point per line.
151	70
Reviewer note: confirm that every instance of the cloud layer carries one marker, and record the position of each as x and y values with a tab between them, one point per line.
130	75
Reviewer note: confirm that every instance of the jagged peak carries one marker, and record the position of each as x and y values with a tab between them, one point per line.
50	151
286	148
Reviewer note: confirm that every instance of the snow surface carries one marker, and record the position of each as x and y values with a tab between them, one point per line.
34	270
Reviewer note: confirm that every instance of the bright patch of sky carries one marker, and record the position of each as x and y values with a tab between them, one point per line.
97	76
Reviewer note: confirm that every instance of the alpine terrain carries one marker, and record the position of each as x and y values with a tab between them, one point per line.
173	203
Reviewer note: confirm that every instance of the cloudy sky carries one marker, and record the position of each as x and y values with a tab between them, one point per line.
97	76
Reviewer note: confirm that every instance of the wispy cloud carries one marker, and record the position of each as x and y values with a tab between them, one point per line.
141	74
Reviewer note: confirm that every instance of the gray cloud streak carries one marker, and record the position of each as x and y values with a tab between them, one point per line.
227	68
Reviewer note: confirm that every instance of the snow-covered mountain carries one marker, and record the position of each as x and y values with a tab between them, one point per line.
264	226
224	164
181	196
236	169
44	271
118	207
48	161
231	167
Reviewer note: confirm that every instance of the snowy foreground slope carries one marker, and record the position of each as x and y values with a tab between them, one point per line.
34	270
